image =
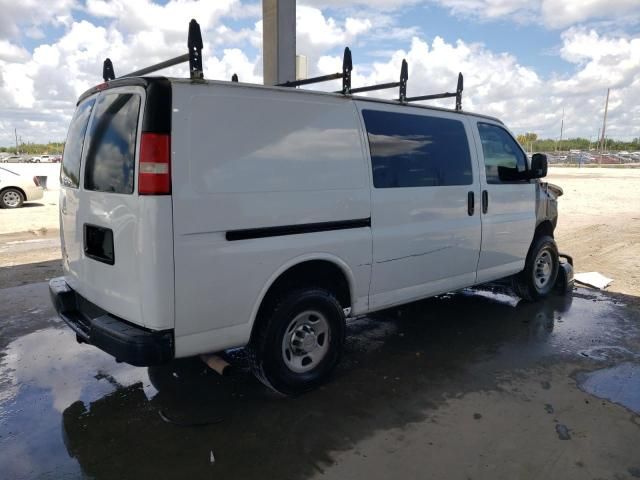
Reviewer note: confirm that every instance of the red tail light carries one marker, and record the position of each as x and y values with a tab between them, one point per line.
36	181
154	177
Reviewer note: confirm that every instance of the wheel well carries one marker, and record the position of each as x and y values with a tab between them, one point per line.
545	228
312	273
24	195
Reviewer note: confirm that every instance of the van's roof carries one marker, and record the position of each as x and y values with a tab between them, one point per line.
144	81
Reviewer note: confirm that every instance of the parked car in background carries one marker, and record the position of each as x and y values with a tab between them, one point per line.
42	159
12	159
16	189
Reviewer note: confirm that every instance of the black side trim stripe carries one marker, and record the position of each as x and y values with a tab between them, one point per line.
296	229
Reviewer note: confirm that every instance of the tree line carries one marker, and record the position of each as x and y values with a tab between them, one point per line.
531	142
50	148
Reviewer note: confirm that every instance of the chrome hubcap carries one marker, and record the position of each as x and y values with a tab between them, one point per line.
543	268
11	199
306	341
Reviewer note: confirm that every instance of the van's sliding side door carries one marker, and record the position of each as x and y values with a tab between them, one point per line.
424	202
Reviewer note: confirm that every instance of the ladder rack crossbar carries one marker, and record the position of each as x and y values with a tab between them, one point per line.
431	97
158	66
308	81
370	88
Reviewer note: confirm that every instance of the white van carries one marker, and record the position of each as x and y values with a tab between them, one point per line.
197	216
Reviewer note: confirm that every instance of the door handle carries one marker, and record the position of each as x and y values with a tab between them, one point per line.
471	203
485	201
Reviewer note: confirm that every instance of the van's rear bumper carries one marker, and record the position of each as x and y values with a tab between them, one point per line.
126	342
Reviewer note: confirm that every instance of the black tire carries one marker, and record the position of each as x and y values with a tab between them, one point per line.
266	350
13	193
527	284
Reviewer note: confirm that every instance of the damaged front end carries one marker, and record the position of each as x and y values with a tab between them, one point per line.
547	202
547	211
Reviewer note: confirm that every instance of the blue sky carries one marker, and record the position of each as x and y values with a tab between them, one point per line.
523	61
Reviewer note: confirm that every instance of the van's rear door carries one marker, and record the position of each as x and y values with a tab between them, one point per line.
109	233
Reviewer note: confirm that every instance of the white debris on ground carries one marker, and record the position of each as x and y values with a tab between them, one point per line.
593	279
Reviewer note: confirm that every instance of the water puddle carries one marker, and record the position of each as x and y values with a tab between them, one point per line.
619	384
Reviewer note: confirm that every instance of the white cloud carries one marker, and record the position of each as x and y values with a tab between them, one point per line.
551	13
234	61
497	84
15	14
488	8
375	4
12	53
317	33
562	13
41	88
137	15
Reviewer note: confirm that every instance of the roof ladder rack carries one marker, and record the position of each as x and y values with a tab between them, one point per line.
402	84
458	95
345	75
194	57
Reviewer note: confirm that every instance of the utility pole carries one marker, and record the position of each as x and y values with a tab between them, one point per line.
15	130
278	41
604	123
561	128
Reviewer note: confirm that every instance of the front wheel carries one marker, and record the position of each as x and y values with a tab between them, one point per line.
298	342
538	278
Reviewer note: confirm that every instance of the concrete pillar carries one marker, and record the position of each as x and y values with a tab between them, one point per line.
278	41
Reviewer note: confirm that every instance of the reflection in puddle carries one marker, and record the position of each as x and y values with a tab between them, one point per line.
50	360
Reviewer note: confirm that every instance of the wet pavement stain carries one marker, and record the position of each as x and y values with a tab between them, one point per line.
620	384
563	432
70	411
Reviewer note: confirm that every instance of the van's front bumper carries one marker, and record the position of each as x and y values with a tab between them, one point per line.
125	341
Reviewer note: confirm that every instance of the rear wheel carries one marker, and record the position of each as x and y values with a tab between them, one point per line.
538	278
11	198
299	341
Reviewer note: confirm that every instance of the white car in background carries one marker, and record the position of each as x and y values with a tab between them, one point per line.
16	189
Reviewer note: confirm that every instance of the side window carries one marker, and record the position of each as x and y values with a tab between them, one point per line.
502	155
110	162
70	171
417	151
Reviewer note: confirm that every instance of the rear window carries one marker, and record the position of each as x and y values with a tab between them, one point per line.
70	172
110	162
417	150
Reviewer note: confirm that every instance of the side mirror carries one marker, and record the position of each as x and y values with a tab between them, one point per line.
538	165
